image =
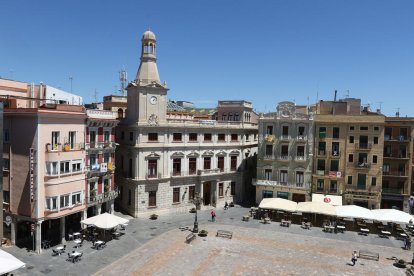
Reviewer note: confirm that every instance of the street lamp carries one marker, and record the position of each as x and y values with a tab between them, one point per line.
197	202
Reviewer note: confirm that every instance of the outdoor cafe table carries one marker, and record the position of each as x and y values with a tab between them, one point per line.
78	242
98	244
266	220
75	235
59	248
364	231
341	228
329	228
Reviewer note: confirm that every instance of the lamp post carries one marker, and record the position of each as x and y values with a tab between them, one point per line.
197	202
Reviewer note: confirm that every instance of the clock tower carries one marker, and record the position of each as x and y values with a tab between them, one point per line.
147	96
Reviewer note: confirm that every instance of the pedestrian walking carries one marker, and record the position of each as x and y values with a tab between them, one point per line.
354	257
213	216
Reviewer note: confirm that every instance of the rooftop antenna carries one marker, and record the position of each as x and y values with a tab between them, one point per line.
123	79
397	114
380	105
95	95
347	94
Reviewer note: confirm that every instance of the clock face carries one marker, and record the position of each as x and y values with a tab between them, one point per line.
153	100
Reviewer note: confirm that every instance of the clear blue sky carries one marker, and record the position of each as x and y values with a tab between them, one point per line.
261	51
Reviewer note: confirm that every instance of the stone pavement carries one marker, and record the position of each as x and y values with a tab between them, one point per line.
141	233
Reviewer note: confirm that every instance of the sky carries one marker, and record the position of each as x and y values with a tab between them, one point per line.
261	51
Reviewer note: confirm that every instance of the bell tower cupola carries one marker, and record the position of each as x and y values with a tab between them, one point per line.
148	71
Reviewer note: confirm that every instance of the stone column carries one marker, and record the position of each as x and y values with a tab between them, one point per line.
38	238
62	230
13	231
99	209
111	209
84	215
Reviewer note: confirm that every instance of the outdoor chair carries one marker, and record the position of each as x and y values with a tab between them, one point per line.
55	252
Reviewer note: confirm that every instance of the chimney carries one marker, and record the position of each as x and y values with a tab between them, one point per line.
397	114
335	95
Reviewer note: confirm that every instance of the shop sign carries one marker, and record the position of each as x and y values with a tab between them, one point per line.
32	173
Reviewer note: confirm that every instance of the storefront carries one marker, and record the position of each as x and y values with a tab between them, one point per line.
392	202
330	199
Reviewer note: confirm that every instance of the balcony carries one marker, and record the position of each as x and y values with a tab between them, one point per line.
149	176
398	191
362	165
268	157
284	158
321	153
284	137
333	190
100	169
396	156
363	146
335	154
264	182
300	158
394	174
399	138
65	147
208	171
186	173
301	138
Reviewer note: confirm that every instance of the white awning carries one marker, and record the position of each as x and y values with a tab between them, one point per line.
330	199
354	211
278	204
316	208
105	221
392	215
9	263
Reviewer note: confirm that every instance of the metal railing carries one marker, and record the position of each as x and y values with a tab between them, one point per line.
264	182
363	146
362	165
394	173
284	158
153	176
64	147
393	191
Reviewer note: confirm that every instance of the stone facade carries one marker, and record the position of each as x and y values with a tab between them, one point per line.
285	155
164	159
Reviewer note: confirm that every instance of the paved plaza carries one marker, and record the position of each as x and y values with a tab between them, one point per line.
158	247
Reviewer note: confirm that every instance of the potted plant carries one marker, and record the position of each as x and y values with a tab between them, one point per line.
67	147
154	216
193	210
203	233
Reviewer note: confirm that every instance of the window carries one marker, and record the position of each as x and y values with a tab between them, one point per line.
207	163
321	165
177	137
283	177
349	179
76	165
351	139
301	131
233	188
177	166
6	196
92	137
207	136
351	128
106	157
221	137
236	116
300	151
191	192
224	116
107	185
374	159
55	139
267	194
375	140
269	150
221	192
373	181
299	178
153	137
234	137
247	137
335	148
335	165
335	132
107	136
176	195
152	168
76	198
64	201
6	164
363	128
285	131
361	181
64	167
230	116
284	151
52	168
92	159
72	139
351	158
233	163
269	130
51	203
322	132
376	128
131	136
6	136
130	168
220	163
268	174
192	137
192	165
320	185
152	198
321	148
130	197
333	187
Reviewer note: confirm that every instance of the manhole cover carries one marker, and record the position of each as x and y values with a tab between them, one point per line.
153	228
46	271
30	267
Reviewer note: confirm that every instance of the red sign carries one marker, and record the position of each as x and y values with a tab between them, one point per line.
326	200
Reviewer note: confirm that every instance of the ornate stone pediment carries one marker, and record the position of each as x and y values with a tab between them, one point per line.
221	153
153	155
177	154
193	154
234	152
208	153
